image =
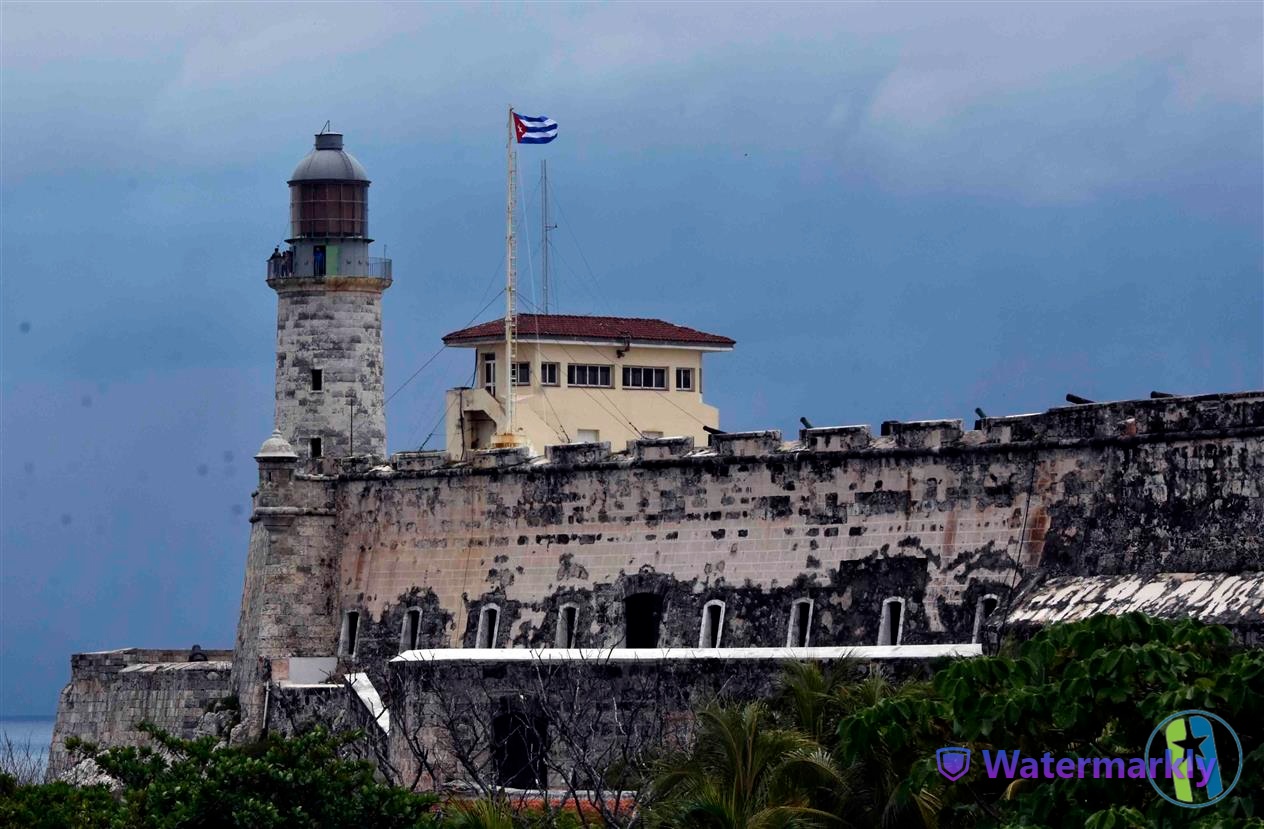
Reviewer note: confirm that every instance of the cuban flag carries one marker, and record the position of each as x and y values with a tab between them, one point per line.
534	130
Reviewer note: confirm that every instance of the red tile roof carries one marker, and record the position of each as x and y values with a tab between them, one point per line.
567	327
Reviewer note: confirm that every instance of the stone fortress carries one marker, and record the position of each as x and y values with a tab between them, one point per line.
707	553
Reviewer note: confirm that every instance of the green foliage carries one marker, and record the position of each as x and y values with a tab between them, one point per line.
187	784
1095	688
743	773
57	806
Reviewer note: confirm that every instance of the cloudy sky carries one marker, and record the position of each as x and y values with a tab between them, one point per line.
899	211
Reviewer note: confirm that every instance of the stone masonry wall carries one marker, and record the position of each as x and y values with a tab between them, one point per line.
334	324
111	692
927	512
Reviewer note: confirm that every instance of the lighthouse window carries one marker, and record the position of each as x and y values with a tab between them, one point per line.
316	448
318	379
409	634
488	627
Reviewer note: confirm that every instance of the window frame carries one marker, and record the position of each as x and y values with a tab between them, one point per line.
980	617
479	637
719	628
516	369
349	636
487	366
627	383
794	618
557	375
409	642
559	639
884	623
572	370
684	372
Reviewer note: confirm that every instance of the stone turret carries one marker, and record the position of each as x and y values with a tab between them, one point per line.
329	397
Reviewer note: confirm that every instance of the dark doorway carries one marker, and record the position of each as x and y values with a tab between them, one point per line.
642	617
518	745
318	260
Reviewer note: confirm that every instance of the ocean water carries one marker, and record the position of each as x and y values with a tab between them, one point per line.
29	738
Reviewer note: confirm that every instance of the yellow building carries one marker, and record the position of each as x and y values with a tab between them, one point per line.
583	379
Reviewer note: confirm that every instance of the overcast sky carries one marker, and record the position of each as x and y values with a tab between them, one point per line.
898	211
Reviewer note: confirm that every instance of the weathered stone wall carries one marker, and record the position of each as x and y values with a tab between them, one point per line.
288	603
333	324
111	692
927	512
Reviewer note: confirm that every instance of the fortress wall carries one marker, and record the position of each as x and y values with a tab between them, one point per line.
925	511
111	692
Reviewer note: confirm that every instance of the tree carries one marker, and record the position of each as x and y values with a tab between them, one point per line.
743	773
1094	688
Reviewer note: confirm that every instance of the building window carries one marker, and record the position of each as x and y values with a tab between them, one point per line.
489	374
521	374
548	374
488	627
638	377
317	448
587	435
684	379
712	624
567	626
642	617
800	633
519	747
410	632
985	608
581	374
318	379
350	633
891	628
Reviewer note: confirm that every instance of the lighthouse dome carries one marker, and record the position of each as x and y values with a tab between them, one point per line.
328	161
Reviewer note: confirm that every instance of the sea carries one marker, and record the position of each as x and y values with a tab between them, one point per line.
24	741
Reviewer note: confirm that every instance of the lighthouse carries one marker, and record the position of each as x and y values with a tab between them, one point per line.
329	396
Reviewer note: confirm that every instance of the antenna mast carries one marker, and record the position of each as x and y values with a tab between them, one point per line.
545	228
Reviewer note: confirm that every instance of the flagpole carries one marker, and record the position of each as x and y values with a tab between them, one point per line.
511	245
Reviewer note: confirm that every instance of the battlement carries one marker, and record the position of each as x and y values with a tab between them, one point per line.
1119	421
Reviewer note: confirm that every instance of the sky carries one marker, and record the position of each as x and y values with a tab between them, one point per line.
899	211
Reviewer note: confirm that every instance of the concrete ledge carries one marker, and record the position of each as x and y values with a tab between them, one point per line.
578	453
859	652
746	444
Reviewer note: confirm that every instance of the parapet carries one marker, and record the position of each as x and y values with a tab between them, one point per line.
653	449
1207	415
922	434
578	453
747	444
835	438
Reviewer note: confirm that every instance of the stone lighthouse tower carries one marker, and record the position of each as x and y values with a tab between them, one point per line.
329	399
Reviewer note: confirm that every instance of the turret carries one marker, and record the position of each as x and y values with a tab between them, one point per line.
329	395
